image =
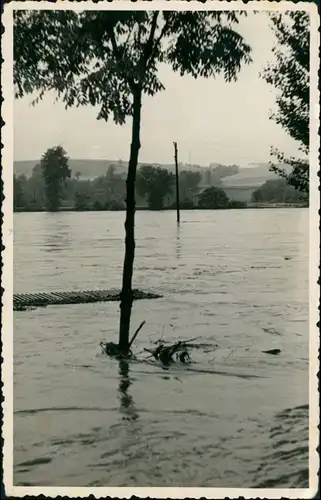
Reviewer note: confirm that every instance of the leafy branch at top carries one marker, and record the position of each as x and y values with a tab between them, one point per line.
101	57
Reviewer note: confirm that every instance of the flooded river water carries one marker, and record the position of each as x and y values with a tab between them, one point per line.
236	279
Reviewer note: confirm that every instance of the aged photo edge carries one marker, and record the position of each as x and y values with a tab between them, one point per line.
7	276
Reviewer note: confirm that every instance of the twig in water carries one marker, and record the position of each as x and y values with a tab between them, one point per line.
188	341
211	361
148	350
136	333
229	354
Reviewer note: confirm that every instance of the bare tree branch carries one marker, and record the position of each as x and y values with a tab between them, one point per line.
149	44
157	41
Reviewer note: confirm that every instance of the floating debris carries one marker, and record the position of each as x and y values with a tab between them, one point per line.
114	351
272	351
20	307
23	300
171	353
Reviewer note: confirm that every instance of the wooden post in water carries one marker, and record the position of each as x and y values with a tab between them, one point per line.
177	182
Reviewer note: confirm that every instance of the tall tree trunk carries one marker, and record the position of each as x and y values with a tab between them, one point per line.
126	295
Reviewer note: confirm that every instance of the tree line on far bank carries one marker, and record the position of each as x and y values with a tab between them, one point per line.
52	187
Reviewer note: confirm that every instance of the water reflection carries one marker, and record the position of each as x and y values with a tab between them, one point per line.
178	247
127	405
57	234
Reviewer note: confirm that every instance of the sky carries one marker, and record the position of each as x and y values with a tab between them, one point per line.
211	120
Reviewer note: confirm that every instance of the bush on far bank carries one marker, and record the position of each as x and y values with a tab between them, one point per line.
213	198
237	204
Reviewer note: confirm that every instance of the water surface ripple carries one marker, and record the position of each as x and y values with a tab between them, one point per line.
236	279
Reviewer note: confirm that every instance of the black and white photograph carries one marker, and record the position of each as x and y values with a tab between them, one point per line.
161	249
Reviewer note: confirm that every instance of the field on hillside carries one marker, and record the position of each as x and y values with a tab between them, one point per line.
251	177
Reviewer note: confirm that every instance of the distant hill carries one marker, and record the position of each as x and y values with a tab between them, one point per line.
241	186
88	168
251	176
